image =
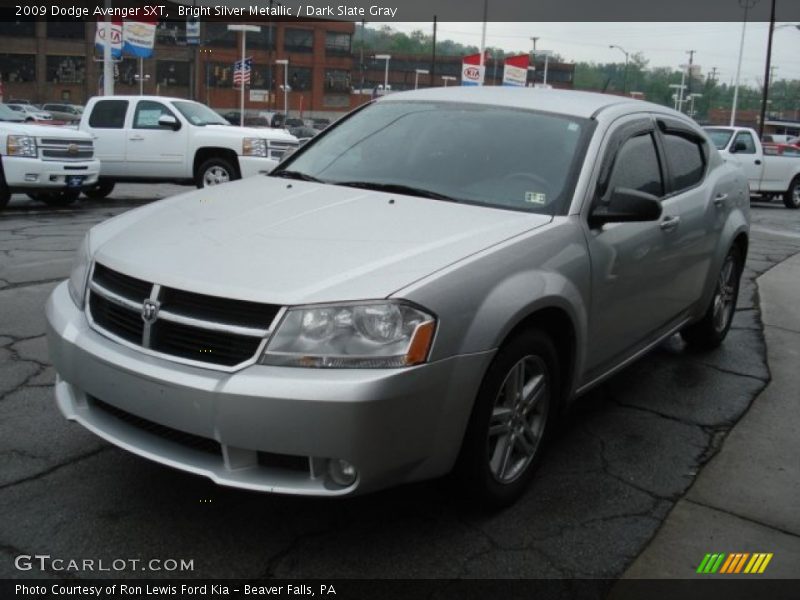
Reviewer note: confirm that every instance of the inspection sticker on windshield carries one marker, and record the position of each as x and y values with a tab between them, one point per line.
535	198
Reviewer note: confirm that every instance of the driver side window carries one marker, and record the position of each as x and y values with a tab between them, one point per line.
637	167
148	113
746	139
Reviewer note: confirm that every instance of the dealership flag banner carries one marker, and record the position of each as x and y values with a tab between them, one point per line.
109	30
241	72
515	71
472	71
138	38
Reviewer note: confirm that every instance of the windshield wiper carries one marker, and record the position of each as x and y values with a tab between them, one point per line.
296	175
399	188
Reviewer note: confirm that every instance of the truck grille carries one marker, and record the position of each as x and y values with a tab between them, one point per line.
186	325
276	150
58	149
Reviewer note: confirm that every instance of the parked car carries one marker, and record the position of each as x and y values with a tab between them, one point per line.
320	123
51	164
30	112
155	138
63	112
396	300
769	175
303	134
293	122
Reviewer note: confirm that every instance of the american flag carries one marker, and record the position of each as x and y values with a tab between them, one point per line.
240	73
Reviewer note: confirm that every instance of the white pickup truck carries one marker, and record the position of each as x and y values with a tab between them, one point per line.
150	139
51	164
768	175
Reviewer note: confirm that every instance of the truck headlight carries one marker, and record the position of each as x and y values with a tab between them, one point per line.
254	147
80	273
21	145
365	335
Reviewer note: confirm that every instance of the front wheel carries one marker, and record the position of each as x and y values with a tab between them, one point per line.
791	198
57	199
215	171
510	420
709	331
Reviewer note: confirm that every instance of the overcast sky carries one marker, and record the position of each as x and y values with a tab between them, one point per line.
663	44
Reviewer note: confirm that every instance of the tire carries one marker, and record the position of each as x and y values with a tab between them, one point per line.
708	332
505	438
215	171
5	194
791	198
57	199
99	190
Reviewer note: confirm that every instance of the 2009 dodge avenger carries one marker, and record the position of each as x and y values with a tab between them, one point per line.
423	287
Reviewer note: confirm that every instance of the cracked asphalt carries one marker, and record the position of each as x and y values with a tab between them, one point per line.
628	451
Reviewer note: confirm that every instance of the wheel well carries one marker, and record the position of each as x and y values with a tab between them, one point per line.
557	324
741	242
203	154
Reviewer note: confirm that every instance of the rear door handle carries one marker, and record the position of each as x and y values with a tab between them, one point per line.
136	138
719	200
669	223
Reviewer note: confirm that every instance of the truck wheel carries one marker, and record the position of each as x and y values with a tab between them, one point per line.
5	194
792	196
58	199
510	421
215	171
709	331
99	190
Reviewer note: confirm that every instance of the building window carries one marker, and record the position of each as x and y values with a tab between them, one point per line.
18	67
71	30
337	44
299	79
298	40
217	34
262	40
171	33
17	29
172	72
260	77
219	74
337	81
126	71
66	69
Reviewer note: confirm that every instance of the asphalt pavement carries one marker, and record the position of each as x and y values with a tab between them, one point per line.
624	462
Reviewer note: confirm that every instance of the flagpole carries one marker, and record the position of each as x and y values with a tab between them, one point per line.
108	64
243	29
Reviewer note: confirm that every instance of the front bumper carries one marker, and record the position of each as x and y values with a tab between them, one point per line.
254	165
30	174
394	425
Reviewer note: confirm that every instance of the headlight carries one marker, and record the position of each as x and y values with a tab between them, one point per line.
254	147
21	145
375	335
80	272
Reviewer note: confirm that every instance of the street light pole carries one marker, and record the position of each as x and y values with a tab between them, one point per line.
285	63
625	74
387	58
447	78
243	29
767	73
747	5
417	74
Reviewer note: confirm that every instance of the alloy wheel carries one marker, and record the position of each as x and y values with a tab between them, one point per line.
215	175
725	295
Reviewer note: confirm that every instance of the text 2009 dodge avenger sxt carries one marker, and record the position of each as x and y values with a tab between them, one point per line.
423	287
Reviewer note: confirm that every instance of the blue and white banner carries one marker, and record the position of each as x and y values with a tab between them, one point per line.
138	38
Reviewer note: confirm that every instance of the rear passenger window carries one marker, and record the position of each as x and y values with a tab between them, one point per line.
636	167
148	113
744	138
108	114
686	160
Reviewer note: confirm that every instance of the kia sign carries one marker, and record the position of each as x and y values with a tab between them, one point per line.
472	74
112	30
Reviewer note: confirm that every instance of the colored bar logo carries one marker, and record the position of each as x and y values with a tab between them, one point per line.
735	563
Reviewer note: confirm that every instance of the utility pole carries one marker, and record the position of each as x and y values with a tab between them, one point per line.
433	57
108	64
691	62
710	83
747	5
767	70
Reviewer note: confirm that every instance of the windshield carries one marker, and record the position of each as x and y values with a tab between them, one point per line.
486	155
720	137
199	114
6	114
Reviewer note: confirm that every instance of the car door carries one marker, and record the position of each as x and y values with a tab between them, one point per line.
743	151
631	273
697	202
107	128
153	150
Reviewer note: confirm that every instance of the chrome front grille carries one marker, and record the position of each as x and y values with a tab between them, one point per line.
58	149
183	325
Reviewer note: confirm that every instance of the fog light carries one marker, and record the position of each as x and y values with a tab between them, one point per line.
342	472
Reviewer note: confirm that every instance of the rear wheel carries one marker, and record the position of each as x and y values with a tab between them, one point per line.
510	420
791	198
709	331
215	171
5	194
60	198
99	190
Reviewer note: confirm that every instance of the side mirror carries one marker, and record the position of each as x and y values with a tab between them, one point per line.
626	206
738	147
169	122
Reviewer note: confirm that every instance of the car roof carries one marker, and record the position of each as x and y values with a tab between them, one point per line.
567	102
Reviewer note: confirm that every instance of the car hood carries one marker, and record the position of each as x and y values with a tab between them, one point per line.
280	135
48	131
290	242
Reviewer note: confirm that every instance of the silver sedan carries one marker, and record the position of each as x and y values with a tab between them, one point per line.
422	288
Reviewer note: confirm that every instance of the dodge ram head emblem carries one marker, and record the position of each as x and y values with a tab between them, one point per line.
149	310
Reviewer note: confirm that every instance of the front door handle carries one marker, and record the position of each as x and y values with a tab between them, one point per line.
757	161
719	200
136	138
669	223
